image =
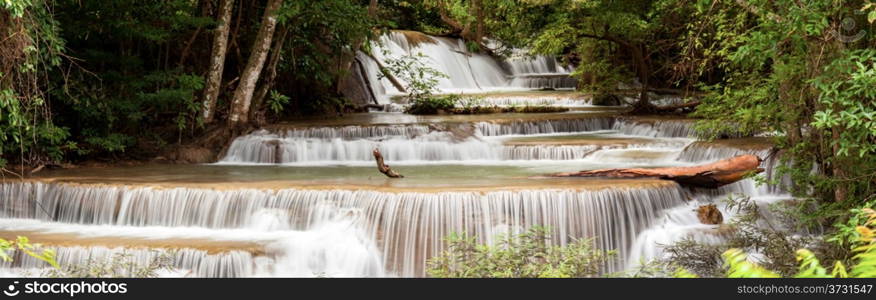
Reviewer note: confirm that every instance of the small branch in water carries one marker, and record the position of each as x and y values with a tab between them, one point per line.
382	167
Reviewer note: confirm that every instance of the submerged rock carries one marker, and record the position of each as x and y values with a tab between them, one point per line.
709	214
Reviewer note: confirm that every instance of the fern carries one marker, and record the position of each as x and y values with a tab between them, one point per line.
810	267
866	249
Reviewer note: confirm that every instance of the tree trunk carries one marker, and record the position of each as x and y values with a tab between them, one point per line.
268	82
188	46
479	16
708	176
643	72
840	192
217	61
240	104
347	58
372	8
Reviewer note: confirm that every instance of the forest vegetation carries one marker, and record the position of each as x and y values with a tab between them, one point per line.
123	80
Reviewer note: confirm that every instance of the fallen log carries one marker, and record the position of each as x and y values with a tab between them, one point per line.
707	176
382	167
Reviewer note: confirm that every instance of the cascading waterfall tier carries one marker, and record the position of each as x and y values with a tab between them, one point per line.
407	227
352	132
535	100
703	152
353	144
534	127
679	223
466	72
656	128
414	143
186	262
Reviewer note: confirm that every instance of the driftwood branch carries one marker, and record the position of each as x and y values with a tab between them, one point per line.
708	176
382	167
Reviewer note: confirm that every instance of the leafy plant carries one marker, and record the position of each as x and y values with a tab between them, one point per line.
430	105
526	255
422	80
737	265
277	101
23	244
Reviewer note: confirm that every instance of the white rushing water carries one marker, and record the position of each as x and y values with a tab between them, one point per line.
238	230
418	144
375	233
372	233
332	248
682	222
466	72
327	231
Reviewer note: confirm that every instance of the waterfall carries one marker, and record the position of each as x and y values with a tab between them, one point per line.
679	222
333	249
537	100
656	128
466	72
539	72
523	127
705	152
436	146
352	132
407	227
409	143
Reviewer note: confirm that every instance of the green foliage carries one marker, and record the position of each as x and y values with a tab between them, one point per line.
111	120
16	8
277	101
432	104
775	238
866	248
791	68
30	47
737	264
848	102
120	265
320	36
24	245
421	79
846	233
526	255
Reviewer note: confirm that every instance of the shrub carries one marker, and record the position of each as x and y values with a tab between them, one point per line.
432	104
526	255
737	265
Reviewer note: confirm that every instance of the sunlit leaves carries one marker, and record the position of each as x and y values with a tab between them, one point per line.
16	8
23	244
738	266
